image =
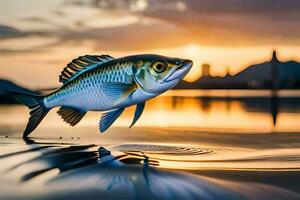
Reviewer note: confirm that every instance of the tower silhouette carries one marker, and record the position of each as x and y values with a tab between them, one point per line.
274	104
274	71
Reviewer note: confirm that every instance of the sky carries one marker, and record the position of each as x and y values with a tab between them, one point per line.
39	37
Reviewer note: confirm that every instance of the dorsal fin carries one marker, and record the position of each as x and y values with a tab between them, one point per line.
80	65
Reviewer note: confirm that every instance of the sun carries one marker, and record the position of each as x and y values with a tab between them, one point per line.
192	52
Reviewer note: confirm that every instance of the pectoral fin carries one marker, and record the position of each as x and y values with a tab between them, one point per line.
108	118
138	112
116	92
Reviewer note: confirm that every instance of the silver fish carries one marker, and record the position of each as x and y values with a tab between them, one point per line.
103	83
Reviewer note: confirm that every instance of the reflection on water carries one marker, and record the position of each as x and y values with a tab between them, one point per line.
206	110
49	170
187	145
235	110
91	174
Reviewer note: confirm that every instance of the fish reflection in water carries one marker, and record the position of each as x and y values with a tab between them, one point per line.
55	171
87	174
114	178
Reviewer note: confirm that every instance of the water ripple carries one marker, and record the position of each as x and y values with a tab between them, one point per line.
163	149
130	172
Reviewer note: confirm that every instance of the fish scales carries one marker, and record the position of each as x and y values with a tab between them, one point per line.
88	87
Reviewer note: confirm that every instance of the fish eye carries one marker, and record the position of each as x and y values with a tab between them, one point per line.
159	66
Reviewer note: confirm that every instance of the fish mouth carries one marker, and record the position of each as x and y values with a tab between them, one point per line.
181	71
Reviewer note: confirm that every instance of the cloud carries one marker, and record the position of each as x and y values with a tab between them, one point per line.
209	22
235	22
17	41
244	6
10	32
169	23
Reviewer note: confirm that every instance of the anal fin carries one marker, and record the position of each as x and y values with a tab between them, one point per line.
71	115
108	118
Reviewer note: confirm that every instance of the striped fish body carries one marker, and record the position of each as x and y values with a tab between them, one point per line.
103	83
88	91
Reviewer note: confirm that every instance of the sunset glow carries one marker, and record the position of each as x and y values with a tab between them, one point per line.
45	39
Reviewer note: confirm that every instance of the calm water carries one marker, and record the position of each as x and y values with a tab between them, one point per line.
211	110
187	145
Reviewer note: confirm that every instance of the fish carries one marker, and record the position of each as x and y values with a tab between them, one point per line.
107	84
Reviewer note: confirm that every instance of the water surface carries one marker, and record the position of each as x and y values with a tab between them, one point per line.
187	145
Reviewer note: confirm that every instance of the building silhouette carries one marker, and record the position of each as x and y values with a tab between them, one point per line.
206	70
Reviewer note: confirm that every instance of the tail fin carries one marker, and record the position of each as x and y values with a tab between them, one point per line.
37	109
